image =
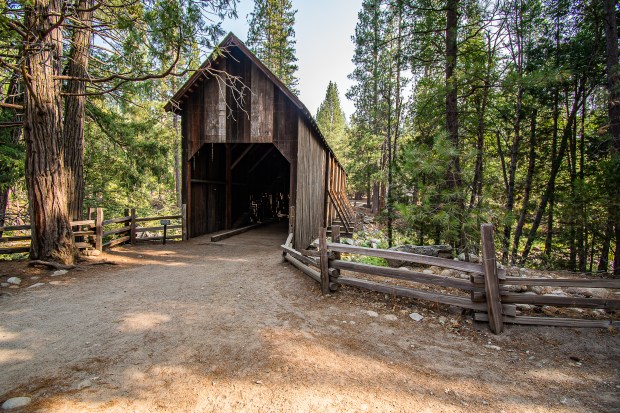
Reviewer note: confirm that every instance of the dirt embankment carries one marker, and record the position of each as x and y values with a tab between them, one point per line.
203	327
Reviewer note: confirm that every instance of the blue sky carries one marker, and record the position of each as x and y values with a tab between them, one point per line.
323	30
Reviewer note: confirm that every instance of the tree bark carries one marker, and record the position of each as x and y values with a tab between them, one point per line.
75	108
52	238
454	179
613	87
528	187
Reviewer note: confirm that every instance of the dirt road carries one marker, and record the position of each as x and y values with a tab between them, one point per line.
202	327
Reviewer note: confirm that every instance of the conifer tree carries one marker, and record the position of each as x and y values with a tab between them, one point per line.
272	38
332	121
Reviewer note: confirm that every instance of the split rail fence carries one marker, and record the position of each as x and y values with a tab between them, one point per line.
486	292
99	233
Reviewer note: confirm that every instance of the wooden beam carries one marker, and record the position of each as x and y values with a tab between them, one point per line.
324	260
261	159
228	210
243	154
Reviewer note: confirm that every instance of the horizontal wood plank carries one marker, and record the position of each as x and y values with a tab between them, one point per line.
15	250
15	238
412	293
116	220
161	228
232	232
117	241
15	228
558	301
160	238
83	222
401	274
407	257
158	218
552	321
563	282
304	268
116	231
295	254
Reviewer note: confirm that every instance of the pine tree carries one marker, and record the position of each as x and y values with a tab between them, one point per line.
332	121
272	38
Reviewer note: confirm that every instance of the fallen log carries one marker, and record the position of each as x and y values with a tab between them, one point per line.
51	264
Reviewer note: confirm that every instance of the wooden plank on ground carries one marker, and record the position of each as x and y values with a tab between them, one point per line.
315	275
232	232
407	257
406	275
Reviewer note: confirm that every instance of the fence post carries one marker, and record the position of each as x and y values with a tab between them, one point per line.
491	280
291	220
324	263
132	227
99	230
184	222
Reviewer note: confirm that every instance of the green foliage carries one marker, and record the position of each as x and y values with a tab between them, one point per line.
332	121
12	152
272	38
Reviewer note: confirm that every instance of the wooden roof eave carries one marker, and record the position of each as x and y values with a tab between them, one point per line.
175	103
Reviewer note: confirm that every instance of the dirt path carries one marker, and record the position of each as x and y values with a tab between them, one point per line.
201	327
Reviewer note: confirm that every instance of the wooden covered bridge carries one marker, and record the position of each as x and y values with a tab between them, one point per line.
253	152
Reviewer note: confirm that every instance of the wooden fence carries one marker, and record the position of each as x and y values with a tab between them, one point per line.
99	233
485	293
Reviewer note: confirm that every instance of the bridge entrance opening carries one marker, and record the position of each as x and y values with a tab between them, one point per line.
235	185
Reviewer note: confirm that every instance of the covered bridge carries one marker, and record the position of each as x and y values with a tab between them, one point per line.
252	150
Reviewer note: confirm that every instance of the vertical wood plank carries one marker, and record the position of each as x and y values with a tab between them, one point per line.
132	232
491	281
324	262
99	230
228	212
184	222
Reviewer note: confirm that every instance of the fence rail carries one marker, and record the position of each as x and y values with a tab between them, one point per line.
93	234
486	292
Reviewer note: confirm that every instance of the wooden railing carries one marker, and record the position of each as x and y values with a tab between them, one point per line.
485	293
99	233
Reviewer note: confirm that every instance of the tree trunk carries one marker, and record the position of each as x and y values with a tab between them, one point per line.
52	238
528	187
613	86
555	167
75	108
454	180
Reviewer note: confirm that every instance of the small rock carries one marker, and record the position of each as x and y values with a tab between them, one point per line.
15	402
447	273
559	293
492	347
442	320
59	272
390	317
37	285
34	278
91	253
416	316
4	285
372	313
14	280
427	271
524	307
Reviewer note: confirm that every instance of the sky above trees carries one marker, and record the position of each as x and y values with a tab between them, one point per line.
324	46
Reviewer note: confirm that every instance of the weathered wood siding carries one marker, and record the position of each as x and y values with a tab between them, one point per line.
214	110
262	113
311	170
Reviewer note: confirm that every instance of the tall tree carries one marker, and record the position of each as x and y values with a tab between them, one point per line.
331	120
132	40
272	38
